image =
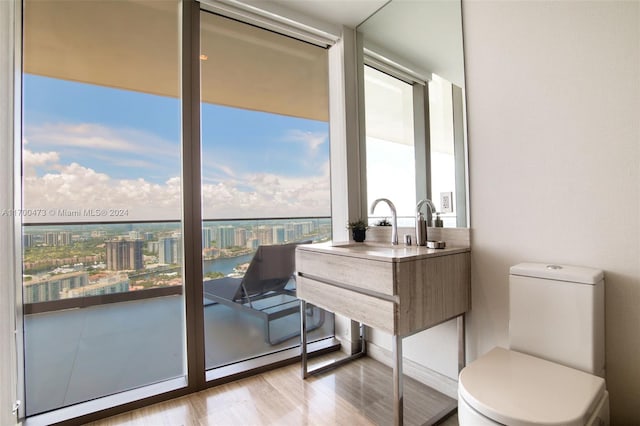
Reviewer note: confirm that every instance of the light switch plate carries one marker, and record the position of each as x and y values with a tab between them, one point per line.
446	202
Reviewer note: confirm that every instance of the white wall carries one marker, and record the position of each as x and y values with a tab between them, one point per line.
553	98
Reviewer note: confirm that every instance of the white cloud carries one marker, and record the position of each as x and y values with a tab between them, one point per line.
130	162
312	139
34	159
269	195
99	137
73	186
226	169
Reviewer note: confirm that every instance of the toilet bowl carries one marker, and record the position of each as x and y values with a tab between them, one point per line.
511	388
551	374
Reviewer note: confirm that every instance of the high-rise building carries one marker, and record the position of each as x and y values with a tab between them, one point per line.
253	243
207	237
307	227
124	255
290	234
152	246
178	248
51	239
170	250
118	283
226	236
240	238
27	240
165	250
57	238
64	238
265	235
278	234
53	287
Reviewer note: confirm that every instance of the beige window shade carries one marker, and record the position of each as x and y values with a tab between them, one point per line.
388	107
75	40
262	70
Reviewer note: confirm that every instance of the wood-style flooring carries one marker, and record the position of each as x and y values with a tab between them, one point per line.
359	393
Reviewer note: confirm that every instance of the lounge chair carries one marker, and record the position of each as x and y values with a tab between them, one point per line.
264	291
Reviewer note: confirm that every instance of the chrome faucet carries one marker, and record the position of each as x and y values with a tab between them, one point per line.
394	219
421	223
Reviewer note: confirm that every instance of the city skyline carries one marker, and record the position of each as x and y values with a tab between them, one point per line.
241	232
114	258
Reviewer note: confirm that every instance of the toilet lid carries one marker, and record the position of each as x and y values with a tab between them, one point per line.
518	389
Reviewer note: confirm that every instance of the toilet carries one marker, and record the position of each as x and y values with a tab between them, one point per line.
553	371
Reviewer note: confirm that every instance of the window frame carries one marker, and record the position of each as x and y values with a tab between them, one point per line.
421	125
341	71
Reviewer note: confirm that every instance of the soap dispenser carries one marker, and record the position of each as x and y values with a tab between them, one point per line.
421	222
437	222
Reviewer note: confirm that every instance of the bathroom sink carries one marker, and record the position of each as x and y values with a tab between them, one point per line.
383	251
371	246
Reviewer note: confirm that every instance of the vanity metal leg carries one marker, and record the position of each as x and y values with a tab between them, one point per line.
303	337
397	381
303	348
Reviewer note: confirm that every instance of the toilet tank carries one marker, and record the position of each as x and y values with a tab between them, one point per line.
556	312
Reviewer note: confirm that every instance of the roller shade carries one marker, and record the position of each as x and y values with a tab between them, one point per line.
76	41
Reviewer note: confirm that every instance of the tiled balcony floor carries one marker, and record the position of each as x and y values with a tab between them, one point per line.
80	354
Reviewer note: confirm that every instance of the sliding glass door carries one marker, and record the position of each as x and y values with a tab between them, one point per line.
102	236
265	185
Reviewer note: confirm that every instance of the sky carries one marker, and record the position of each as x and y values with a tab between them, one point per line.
92	147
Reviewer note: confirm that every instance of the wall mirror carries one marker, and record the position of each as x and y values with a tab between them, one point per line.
413	98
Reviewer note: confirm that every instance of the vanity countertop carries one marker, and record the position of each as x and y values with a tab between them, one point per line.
381	252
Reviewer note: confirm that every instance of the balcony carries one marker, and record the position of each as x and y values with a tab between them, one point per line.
94	328
86	351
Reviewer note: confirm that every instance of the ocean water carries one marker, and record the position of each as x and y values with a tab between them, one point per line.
225	265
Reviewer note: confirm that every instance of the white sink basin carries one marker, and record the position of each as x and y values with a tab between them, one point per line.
382	251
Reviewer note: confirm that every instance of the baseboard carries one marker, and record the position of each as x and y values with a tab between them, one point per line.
431	378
